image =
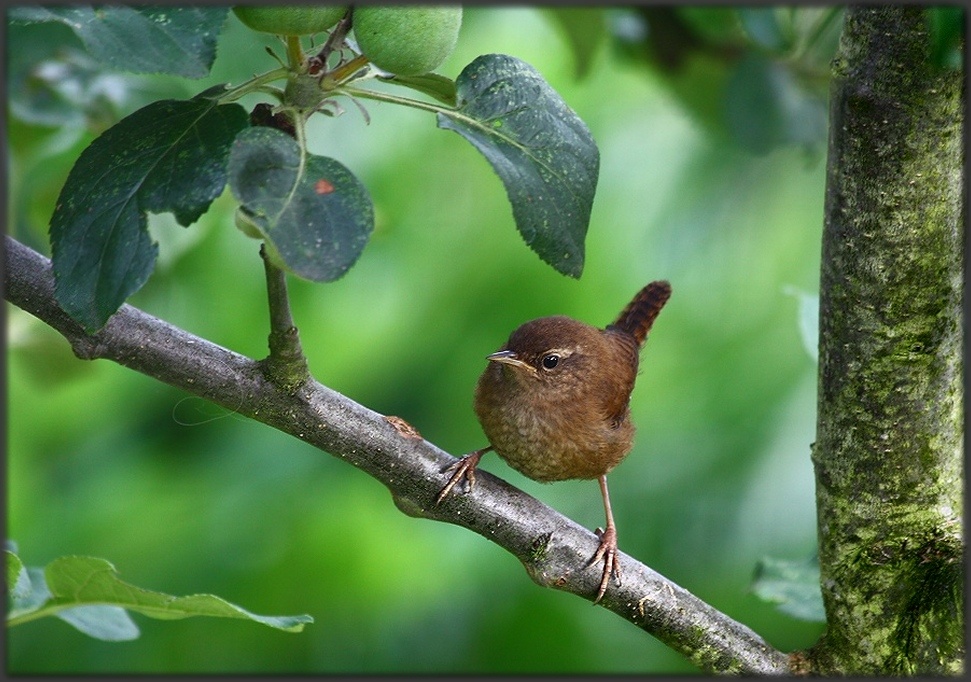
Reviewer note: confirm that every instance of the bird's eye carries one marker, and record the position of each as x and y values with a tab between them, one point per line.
551	361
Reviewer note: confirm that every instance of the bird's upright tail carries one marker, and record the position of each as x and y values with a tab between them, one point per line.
640	313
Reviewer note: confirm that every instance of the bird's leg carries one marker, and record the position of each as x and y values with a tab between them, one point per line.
463	468
607	551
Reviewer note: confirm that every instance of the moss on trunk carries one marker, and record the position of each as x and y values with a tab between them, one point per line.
888	452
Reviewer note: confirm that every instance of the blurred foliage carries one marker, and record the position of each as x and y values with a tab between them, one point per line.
584	28
756	75
188	497
946	26
793	585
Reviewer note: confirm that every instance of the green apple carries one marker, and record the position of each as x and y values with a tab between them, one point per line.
407	39
290	21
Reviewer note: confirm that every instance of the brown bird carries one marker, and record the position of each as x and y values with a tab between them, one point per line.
553	402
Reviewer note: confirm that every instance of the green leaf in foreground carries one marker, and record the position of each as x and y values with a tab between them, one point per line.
315	215
87	593
542	151
107	623
18	581
792	585
168	156
174	40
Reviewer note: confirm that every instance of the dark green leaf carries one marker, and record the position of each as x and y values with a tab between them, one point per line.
792	585
431	84
765	27
539	147
168	156
311	209
175	40
585	29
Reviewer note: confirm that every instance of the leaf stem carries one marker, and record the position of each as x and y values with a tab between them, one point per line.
299	125
336	37
32	614
394	99
295	54
259	83
286	365
345	70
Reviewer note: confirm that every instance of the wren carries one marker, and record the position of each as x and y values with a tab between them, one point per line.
554	404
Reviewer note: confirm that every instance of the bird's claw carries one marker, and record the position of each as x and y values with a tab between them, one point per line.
606	552
464	467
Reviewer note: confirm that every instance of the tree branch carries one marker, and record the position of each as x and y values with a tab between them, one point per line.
553	549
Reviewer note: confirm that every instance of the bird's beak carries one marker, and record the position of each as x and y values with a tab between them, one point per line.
508	357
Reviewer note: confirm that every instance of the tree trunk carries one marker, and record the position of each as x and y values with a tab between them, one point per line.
888	452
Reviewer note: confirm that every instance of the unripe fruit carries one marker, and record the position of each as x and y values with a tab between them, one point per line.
407	40
290	21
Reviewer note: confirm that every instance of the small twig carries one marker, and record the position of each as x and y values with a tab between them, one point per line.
286	365
335	39
342	72
295	56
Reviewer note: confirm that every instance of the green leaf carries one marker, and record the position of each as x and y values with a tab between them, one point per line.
585	29
18	580
168	156
86	593
85	581
792	585
174	40
544	154
107	623
30	593
431	84
313	212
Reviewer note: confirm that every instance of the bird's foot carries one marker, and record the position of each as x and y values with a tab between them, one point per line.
464	467
606	552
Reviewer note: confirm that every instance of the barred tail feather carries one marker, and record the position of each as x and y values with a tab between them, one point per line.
640	313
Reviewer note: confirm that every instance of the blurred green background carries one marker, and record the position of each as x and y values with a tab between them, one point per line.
706	180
